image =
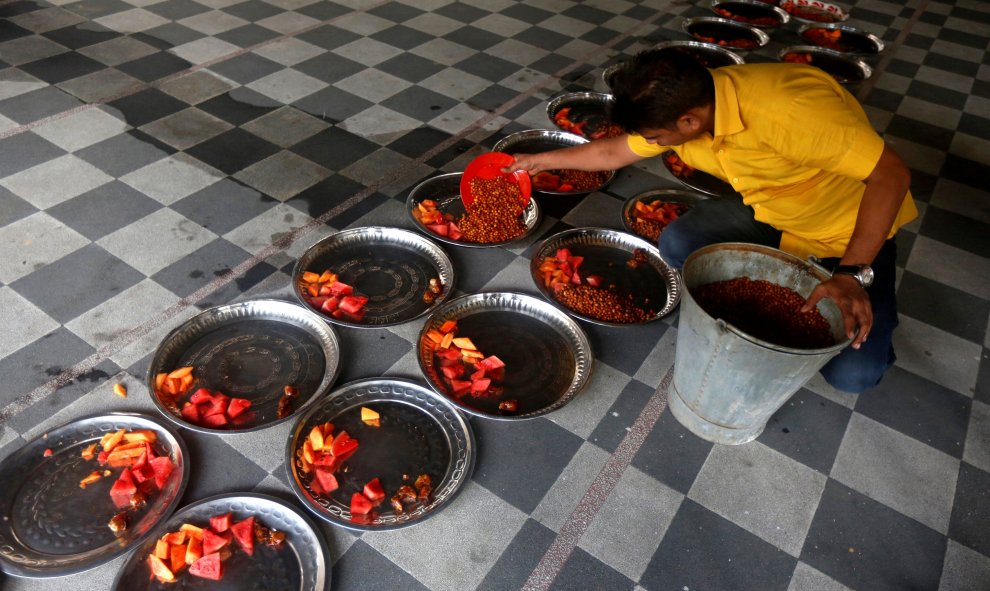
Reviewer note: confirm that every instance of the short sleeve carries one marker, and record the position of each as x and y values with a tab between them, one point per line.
643	148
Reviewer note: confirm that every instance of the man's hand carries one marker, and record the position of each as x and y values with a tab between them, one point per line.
852	300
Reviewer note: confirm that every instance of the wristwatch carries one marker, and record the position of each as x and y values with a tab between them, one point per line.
863	274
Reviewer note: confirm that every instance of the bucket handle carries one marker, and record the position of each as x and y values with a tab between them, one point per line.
817	263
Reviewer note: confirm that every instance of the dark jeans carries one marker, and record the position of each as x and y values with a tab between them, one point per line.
729	220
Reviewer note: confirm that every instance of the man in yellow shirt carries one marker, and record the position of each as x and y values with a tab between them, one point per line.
814	176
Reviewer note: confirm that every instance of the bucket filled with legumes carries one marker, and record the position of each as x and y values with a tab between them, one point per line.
743	346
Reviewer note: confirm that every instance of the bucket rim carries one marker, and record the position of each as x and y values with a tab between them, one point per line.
814	270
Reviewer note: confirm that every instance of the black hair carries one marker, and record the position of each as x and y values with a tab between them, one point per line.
656	87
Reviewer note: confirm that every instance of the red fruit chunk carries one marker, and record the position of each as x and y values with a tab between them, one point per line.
190	412
460	387
441	229
480	385
123	489
208	567
563	254
343	444
243	419
330	304
213	542
244	534
353	304
163	469
489	363
328	482
218	405
374	491
452	372
594	280
340	288
143	473
325	291
454	233
237	406
201	395
102	457
215	421
360	504
221	523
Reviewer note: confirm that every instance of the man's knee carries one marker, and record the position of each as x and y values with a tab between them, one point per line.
675	247
856	374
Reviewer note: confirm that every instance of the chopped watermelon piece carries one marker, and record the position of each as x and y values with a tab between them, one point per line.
162	467
328	482
460	387
452	371
330	304
243	532
123	489
563	254
244	419
221	523
213	542
208	567
342	444
374	491
237	406
190	412
360	504
353	304
215	421
201	395
453	232
218	405
489	363
480	385
339	288
441	229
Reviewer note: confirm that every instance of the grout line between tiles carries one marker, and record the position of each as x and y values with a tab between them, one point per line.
104	352
595	496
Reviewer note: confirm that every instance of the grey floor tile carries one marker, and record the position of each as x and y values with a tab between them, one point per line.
620	417
958	312
140	244
25	150
55	181
563	497
81	129
939	356
14	208
168	180
223	206
353	567
119	50
843	544
519	558
44	358
25	232
286	126
964	570
23	321
808	428
196	87
37	104
213	455
101	86
200	267
282	175
898	471
186	128
672	454
950	266
977	450
806	578
581	567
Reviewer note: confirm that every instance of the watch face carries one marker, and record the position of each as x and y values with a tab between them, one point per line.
866	276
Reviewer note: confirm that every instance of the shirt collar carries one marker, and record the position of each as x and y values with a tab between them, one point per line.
727	120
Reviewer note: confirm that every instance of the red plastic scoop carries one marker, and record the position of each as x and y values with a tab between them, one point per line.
489	166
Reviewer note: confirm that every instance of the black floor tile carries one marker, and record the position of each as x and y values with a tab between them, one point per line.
983	378
419	103
200	267
519	559
168	36
808	428
334	148
410	67
233	150
951	64
974	125
475	270
624	348
950	309
154	66
103	210
588	14
613	427
9	30
94	9
212	455
920	132
582	567
672	454
487	66
455	150
368	353
77	387
14	208
970	522
704	551
94	275
396	11
551	63
239	106
328	37
462	12
355	212
542	38
82	35
932	18
970	15
236	288
24	150
329	67
352	571
248	35
492	98
37	104
851	540
177	9
418	141
402	37
954	229
252	10
922	185
919	408
963	38
125	153
62	67
332	104
919	41
323	10
905	242
38	362
246	68
224	205
325	195
473	37
937	94
521	460
147	106
526	13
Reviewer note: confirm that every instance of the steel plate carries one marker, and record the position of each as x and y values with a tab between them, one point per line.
752	9
547	355
391	266
534	141
834	11
605	254
585	106
250	350
724	29
445	189
845	68
700	180
303	563
855	41
50	526
710	56
420	432
665	195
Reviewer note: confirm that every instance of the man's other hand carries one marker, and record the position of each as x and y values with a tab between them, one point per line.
853	301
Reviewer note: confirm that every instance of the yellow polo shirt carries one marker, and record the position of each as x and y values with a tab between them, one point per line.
797	146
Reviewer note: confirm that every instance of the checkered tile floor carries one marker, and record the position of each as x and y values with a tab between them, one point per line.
158	157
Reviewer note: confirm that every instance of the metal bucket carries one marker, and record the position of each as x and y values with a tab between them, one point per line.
727	384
